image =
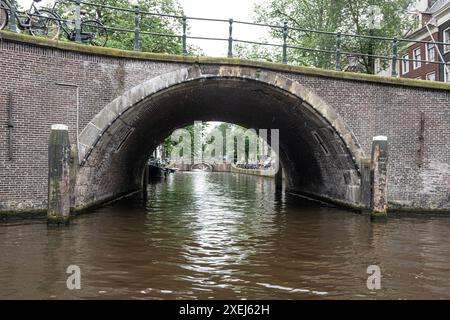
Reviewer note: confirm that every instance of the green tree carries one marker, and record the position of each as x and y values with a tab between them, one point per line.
148	23
196	144
223	127
346	16
156	25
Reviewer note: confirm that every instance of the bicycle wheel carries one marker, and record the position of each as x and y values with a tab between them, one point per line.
45	25
94	32
3	17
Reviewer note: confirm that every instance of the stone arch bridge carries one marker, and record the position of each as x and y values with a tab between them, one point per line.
119	105
204	165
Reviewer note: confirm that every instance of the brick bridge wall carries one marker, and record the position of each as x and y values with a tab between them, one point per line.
419	162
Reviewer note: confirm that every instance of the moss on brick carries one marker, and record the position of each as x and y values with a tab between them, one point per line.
23	214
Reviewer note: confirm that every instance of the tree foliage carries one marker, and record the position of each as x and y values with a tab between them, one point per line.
148	23
203	132
346	16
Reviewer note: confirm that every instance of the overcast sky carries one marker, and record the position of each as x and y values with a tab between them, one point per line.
219	9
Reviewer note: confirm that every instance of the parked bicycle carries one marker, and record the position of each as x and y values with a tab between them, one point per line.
45	22
36	21
92	30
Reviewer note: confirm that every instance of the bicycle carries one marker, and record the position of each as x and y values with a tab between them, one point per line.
92	30
38	22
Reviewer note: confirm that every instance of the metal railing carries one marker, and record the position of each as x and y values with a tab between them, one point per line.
285	30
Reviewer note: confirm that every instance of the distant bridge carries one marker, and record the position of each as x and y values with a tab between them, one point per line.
204	165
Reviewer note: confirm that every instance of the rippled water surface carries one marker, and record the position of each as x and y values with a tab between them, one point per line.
225	236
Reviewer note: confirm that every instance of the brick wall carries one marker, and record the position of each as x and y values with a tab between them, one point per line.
32	74
417	181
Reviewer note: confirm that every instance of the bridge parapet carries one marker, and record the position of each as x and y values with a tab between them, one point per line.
346	43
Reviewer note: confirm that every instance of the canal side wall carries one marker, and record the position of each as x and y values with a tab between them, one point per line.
254	172
42	77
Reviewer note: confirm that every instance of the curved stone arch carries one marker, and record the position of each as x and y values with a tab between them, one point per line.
94	130
203	163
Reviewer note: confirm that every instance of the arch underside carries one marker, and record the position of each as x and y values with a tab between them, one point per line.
202	166
318	155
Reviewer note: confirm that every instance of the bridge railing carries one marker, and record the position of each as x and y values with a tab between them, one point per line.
390	55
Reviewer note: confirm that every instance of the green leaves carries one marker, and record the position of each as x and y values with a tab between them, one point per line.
147	23
387	18
117	19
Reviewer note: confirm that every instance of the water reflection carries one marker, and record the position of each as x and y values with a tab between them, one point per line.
207	235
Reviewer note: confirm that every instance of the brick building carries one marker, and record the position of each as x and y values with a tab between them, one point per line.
434	26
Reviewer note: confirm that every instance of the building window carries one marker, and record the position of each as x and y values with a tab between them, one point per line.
431	76
430	52
447	73
447	40
405	64
417	57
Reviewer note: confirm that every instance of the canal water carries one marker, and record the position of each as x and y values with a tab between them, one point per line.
225	236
